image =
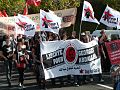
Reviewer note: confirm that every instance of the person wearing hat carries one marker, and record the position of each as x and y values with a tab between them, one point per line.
85	37
82	37
103	37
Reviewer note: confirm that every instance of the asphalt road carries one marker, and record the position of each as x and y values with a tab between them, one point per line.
30	82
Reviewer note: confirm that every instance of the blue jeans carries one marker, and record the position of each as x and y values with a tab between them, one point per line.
115	85
118	86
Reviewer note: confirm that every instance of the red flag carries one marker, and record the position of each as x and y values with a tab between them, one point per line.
113	51
33	2
1	14
25	10
4	13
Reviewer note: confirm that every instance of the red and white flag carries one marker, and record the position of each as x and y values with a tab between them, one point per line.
33	2
49	21
88	13
1	14
25	10
24	25
110	17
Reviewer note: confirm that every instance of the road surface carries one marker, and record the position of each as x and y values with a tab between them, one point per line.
30	82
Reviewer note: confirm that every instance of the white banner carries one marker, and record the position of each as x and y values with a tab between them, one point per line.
24	25
88	13
68	16
110	17
70	57
7	24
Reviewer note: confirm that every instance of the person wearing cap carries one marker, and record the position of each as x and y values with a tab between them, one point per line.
82	37
103	37
102	49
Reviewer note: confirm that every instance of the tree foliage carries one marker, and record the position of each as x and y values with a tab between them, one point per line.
17	6
12	6
113	3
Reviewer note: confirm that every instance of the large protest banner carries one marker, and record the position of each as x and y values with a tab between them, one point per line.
70	57
113	49
7	24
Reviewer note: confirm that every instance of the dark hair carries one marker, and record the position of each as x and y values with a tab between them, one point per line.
102	31
47	10
20	40
5	37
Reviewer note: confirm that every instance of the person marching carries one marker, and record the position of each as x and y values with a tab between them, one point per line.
7	53
39	72
21	61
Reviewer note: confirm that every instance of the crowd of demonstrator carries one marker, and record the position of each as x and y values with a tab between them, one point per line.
25	53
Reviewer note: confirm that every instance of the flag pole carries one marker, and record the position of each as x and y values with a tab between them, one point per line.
80	30
97	27
25	9
41	59
73	27
74	24
81	23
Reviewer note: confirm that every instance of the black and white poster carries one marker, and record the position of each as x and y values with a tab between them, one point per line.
70	57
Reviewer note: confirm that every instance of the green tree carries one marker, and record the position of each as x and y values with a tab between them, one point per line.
18	6
113	3
12	6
